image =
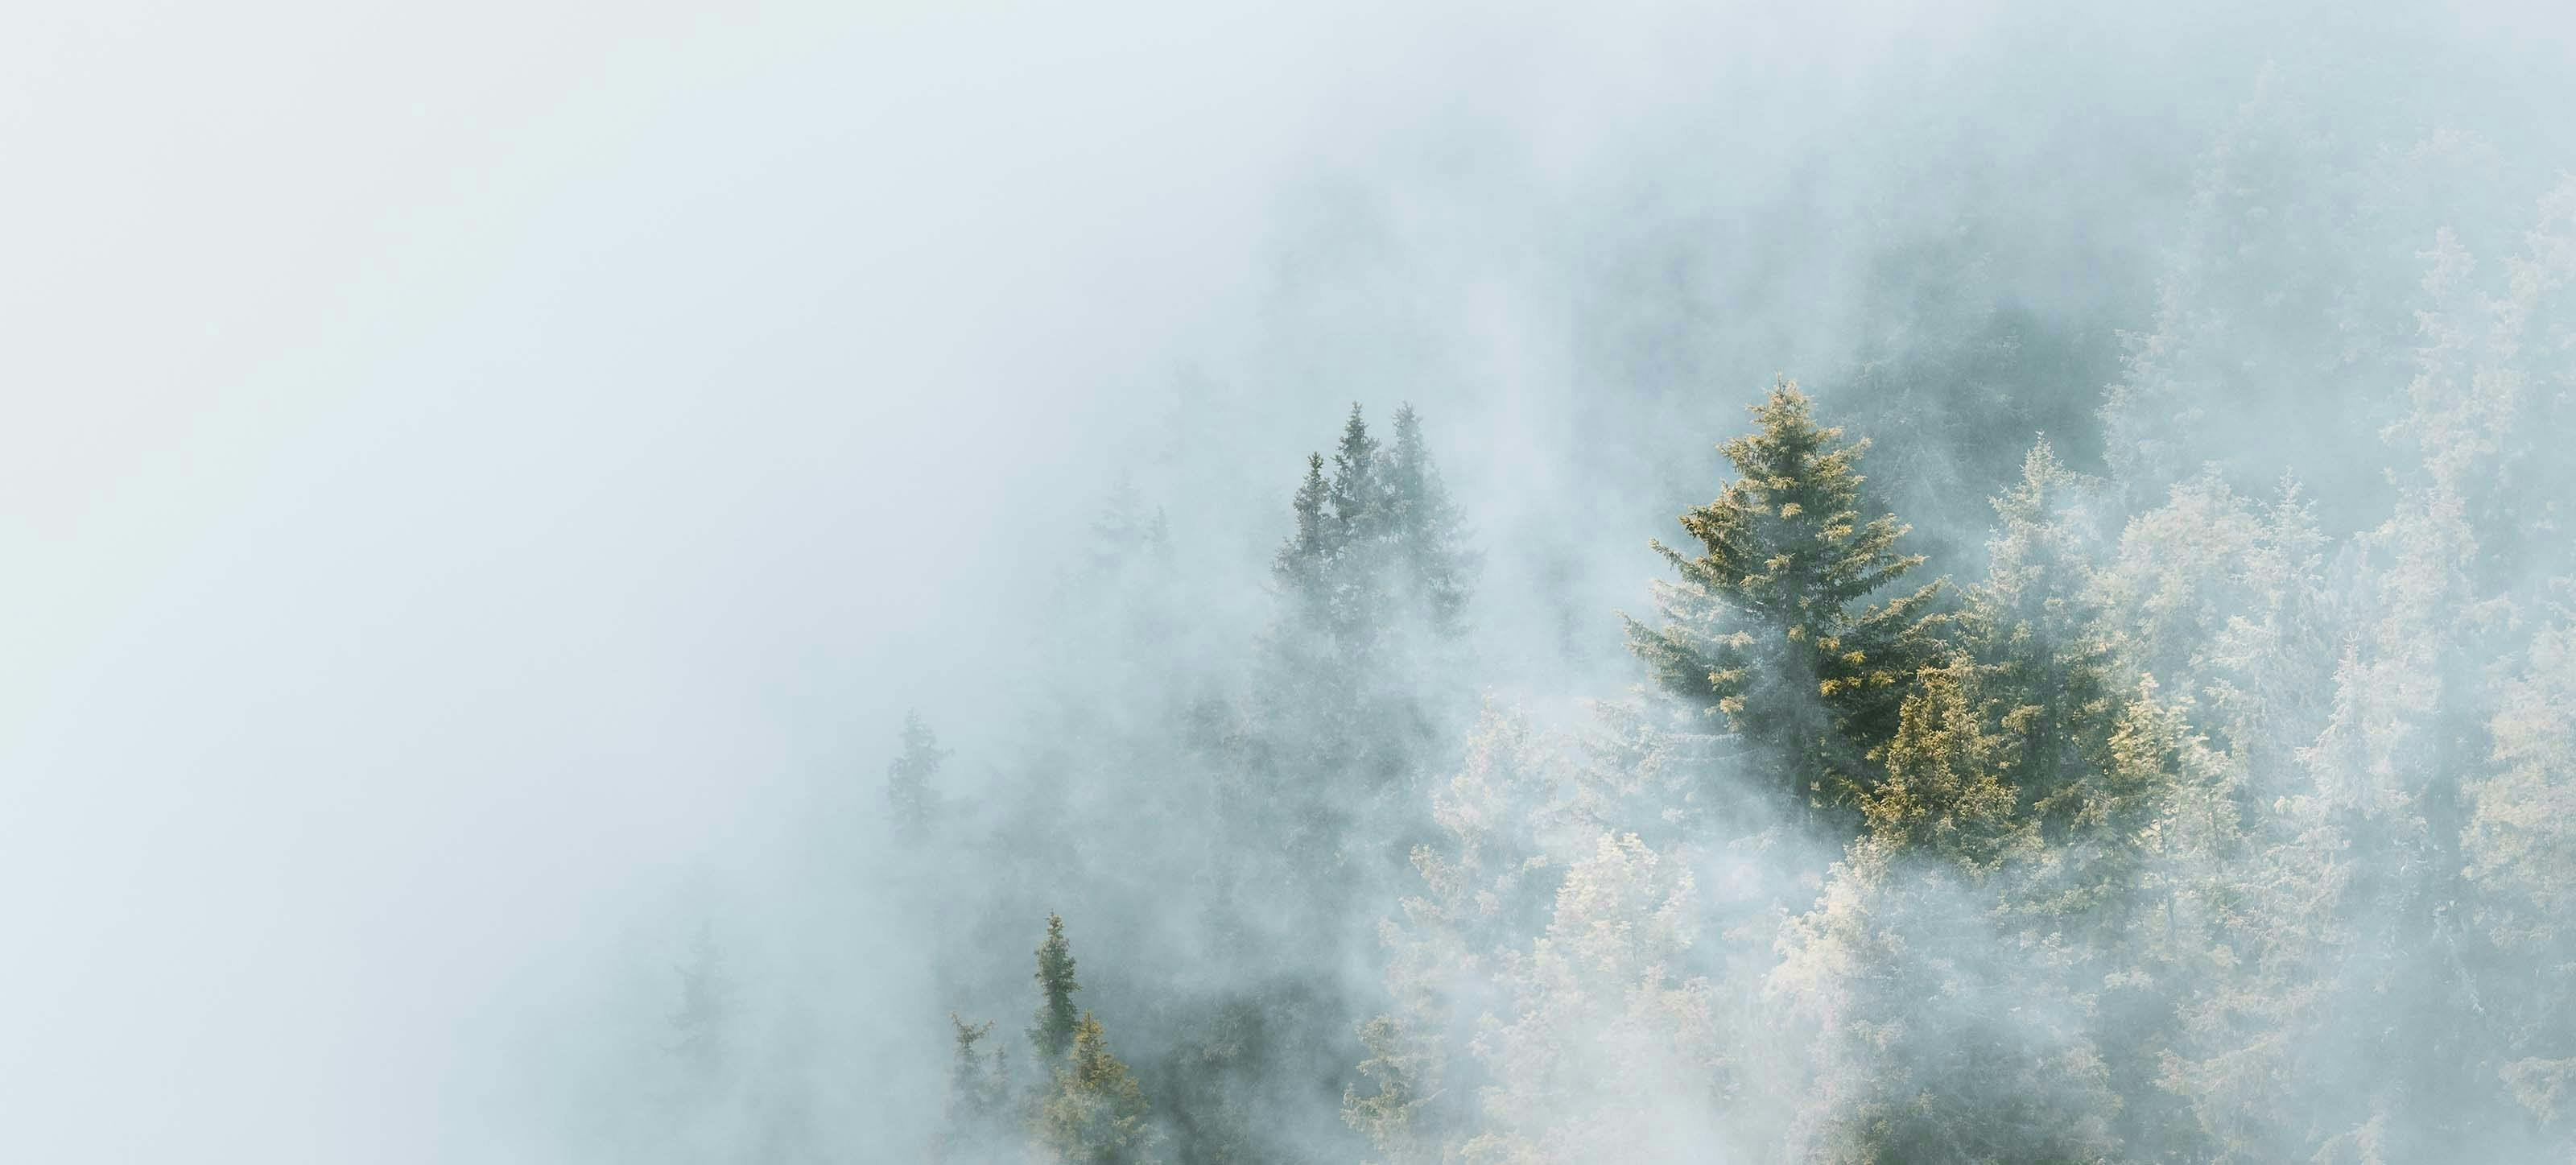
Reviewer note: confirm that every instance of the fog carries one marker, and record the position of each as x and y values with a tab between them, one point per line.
485	486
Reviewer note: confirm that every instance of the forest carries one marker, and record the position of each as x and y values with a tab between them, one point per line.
2040	740
1454	582
2167	824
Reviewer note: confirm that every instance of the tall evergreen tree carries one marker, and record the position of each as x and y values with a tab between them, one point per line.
1096	1113
1933	1039
1056	1016
1358	495
1377	543
2015	731
1947	789
976	1094
1391	1115
909	793
1371	582
1425	526
2035	619
1771	626
2521	845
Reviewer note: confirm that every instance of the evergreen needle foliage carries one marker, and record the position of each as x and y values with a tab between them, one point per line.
1770	626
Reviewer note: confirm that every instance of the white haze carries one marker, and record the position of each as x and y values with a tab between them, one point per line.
473	472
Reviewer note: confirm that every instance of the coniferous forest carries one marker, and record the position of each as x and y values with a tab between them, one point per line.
1341	584
2168	818
2180	795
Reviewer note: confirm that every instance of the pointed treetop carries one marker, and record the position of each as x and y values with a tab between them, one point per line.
1771	626
1056	1015
909	794
1789	530
1355	485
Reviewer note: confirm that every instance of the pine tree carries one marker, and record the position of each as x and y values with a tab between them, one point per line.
1358	497
1946	789
1606	1026
1371	583
1363	556
1056	1020
2037	622
2521	845
1770	626
1303	563
909	795
1391	1116
2014	731
976	1094
1425	526
1377	543
1932	1039
2035	768
1096	1113
1219	1081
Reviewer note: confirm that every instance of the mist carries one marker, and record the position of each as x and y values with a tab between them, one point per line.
585	577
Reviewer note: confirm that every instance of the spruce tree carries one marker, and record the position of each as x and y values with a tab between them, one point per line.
1370	581
1424	524
1303	564
1941	1041
1391	1116
1377	544
1096	1113
1771	626
1056	1017
2037	619
909	795
976	1093
2013	730
1946	789
1363	557
2521	847
1358	495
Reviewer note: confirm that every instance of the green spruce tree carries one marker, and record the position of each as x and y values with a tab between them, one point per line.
1358	496
1303	565
1056	1016
1096	1112
1771	625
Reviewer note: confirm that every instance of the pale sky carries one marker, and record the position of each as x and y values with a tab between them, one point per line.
463	463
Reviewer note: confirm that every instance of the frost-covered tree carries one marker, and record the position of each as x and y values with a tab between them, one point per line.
1931	1037
2361	886
1606	1047
1486	880
2521	848
1095	1113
